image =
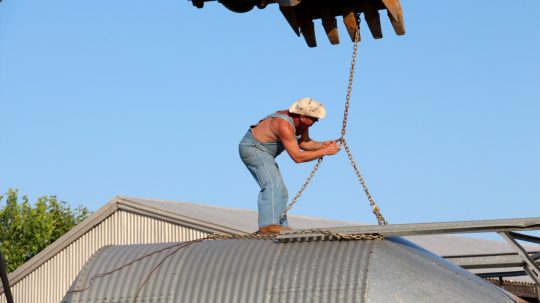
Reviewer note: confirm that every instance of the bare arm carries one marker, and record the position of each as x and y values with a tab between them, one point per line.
310	145
306	143
298	155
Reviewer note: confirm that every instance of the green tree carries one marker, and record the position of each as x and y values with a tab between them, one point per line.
26	229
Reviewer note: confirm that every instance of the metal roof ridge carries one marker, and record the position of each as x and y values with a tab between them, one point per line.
131	201
126	204
195	204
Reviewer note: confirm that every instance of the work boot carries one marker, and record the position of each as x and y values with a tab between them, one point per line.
271	229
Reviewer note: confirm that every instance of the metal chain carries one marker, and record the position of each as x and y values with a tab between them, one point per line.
351	78
329	234
283	216
376	211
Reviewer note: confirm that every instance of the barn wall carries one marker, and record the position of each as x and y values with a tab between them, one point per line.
50	282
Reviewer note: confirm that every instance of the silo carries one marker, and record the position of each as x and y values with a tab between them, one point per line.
265	271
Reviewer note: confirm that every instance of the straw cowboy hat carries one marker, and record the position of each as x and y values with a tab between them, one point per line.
308	107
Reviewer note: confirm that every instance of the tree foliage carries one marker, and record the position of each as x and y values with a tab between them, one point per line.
26	229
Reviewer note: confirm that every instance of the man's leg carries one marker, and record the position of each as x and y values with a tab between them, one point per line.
273	194
281	192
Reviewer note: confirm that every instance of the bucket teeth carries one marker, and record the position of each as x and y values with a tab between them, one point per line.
308	31
290	15
330	25
395	14
373	19
350	20
300	15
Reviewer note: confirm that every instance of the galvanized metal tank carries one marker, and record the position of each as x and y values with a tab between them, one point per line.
263	271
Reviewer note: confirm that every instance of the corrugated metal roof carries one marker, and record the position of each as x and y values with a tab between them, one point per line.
252	271
210	219
204	218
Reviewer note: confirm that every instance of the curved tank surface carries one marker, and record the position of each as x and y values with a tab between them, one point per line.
253	271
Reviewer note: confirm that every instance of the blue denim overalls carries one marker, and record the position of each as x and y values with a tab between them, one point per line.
259	158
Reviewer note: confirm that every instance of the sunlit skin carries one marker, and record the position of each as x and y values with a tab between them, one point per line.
303	150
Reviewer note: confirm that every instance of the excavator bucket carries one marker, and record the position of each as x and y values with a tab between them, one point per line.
300	15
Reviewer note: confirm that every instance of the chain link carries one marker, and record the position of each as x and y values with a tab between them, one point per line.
283	216
327	233
351	78
376	211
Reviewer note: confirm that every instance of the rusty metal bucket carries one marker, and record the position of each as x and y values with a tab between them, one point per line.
301	17
301	13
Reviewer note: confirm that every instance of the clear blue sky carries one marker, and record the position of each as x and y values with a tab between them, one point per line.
150	99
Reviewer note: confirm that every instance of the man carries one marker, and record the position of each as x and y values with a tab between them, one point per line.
284	130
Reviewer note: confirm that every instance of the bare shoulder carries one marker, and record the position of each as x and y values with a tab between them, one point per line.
283	128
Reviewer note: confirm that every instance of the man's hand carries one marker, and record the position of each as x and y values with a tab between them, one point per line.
327	143
331	147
